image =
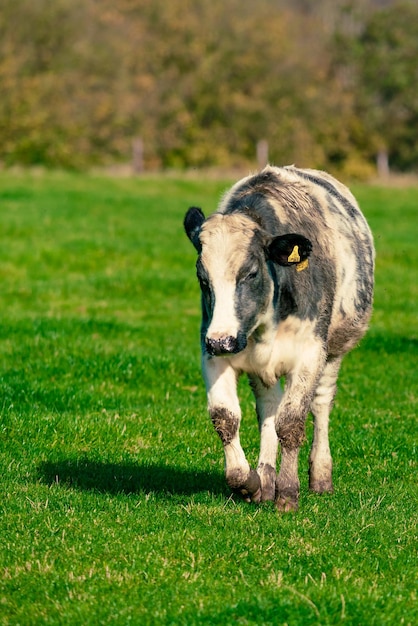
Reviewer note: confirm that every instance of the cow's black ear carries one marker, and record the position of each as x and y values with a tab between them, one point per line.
193	221
290	249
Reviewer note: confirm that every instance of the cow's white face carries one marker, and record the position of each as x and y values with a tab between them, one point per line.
234	274
234	279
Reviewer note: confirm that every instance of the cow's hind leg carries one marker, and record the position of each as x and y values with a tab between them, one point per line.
267	402
290	427
225	413
320	461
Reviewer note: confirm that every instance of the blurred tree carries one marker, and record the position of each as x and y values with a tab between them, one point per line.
388	64
377	63
202	82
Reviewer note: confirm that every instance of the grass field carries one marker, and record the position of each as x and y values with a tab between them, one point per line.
113	503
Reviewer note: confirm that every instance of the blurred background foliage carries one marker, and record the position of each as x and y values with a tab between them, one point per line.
329	84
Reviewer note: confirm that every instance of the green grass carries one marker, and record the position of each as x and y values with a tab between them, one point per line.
113	504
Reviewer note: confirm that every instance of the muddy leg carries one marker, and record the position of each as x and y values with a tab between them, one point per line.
267	402
320	461
225	413
290	426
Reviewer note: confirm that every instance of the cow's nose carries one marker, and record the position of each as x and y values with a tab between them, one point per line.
222	345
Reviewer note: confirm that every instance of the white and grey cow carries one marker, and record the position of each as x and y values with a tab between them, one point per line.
286	268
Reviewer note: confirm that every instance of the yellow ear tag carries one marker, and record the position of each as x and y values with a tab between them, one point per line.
294	255
302	265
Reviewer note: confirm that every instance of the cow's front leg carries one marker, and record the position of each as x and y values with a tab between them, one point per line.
290	428
225	413
267	402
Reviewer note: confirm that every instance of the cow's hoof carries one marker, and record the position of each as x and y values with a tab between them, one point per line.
321	486
249	489
287	498
286	505
250	497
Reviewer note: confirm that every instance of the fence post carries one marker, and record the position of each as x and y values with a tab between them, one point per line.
382	163
137	155
262	153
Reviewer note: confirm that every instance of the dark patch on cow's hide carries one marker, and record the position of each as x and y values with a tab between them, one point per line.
271	267
350	208
365	281
324	309
287	301
252	287
207	300
323	284
225	423
308	294
252	199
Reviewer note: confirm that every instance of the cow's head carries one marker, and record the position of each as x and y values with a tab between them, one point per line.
235	275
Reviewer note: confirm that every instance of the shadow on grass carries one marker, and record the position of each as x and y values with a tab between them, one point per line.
128	478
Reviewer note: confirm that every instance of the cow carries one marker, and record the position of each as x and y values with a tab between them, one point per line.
286	271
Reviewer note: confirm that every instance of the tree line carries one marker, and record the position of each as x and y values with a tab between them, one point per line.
329	84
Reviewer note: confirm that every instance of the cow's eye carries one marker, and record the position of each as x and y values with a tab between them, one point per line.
251	274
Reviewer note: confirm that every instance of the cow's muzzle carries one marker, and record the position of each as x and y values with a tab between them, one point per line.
225	345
